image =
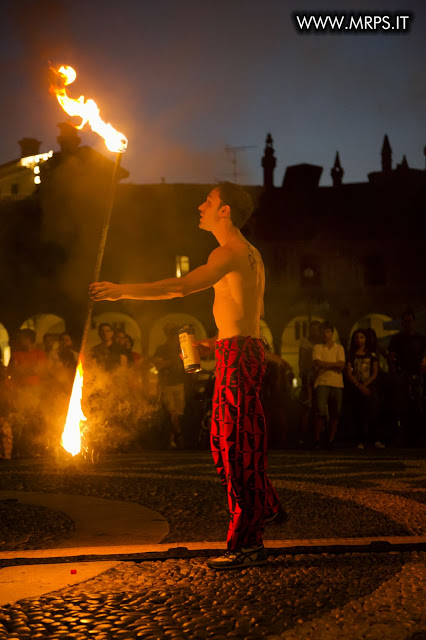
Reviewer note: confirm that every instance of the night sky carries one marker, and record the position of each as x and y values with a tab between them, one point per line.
184	78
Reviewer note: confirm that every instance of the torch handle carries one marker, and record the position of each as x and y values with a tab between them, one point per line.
100	253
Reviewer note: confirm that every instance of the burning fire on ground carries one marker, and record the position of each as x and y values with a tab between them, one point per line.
71	436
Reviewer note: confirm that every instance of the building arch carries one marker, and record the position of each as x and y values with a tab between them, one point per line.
117	320
4	345
293	333
377	321
43	323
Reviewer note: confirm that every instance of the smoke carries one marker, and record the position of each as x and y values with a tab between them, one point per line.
40	29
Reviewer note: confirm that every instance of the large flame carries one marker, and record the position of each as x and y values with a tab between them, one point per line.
71	436
87	110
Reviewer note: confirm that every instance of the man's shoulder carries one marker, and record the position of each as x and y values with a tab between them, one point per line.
306	345
224	252
338	348
98	348
318	348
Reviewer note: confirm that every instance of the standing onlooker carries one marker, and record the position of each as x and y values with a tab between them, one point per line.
67	355
306	372
407	350
134	358
6	434
172	376
362	371
108	354
329	362
27	368
52	394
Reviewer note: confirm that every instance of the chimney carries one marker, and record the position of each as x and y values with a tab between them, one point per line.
29	147
68	138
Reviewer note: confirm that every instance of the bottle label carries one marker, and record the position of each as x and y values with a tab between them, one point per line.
190	354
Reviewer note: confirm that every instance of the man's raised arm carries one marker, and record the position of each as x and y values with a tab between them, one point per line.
220	263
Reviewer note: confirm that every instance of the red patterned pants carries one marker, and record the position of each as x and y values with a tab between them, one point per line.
238	439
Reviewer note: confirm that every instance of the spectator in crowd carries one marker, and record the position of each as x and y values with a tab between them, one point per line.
67	355
51	348
406	360
108	354
362	372
134	358
6	434
329	362
172	376
306	372
119	345
53	394
27	369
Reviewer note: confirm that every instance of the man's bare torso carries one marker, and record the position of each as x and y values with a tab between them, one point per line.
238	303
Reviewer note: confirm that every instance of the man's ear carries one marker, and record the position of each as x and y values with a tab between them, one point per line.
225	211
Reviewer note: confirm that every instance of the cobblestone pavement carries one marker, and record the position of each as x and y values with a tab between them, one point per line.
339	494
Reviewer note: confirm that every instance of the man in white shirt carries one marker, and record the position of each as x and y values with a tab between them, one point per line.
329	362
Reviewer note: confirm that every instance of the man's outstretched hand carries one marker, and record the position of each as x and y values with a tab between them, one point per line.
105	291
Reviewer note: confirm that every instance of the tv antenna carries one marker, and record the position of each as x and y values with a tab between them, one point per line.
233	153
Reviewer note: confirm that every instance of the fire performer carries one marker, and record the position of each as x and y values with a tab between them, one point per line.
238	435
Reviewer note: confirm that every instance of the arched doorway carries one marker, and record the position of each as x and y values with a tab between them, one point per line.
43	323
117	320
377	321
4	345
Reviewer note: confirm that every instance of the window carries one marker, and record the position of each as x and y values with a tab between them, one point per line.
14	189
182	266
375	270
300	329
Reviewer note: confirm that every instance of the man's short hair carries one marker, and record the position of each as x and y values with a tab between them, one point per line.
170	329
104	324
238	200
327	325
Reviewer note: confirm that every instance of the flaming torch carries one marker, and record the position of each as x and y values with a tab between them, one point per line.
116	142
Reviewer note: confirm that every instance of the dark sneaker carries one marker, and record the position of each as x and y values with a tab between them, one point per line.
280	517
240	558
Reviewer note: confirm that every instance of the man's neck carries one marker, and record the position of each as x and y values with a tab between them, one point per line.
227	233
329	344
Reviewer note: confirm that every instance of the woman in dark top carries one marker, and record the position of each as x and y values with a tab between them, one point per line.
362	370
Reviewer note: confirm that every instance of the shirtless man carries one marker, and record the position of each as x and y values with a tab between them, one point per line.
238	436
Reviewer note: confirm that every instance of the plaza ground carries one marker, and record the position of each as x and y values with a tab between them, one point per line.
140	568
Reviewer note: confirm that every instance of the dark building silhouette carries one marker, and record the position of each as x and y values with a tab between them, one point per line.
337	172
344	252
268	163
